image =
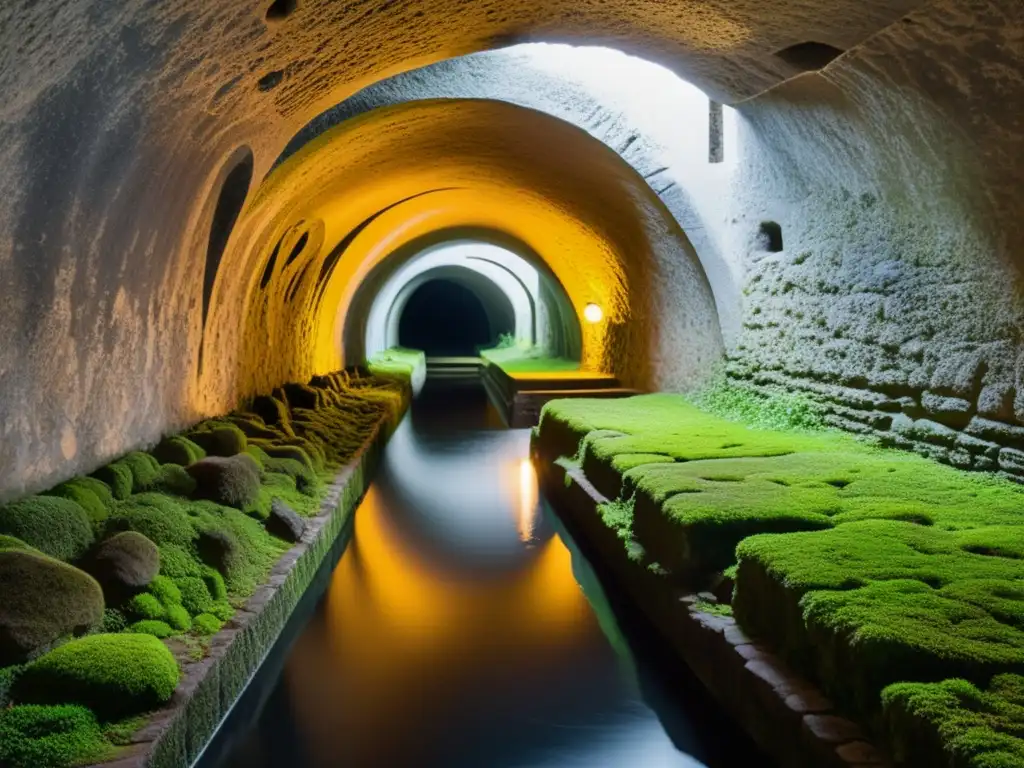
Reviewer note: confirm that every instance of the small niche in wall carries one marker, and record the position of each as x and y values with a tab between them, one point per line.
230	199
810	56
297	250
716	133
280	10
769	237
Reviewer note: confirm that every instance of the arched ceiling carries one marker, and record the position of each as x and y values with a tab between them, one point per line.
396	174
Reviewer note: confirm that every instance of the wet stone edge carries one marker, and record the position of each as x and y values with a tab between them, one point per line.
787	716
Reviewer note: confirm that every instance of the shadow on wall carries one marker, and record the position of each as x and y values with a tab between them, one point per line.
446	319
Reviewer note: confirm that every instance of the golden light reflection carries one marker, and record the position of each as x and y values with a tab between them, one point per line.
527	500
400	632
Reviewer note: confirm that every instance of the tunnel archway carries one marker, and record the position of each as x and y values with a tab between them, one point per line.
444	317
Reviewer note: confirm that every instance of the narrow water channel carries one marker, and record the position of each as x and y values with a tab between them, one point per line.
462	628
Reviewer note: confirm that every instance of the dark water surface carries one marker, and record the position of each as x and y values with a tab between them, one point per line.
462	628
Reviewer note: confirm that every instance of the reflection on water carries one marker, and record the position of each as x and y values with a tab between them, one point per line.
454	631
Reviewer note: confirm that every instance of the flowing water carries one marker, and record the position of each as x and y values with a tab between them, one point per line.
462	628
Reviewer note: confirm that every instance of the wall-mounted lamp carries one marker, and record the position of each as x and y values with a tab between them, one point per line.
592	313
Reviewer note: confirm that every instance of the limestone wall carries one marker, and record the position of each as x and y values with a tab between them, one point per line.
896	178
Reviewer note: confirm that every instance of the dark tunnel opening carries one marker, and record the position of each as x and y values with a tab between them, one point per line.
446	319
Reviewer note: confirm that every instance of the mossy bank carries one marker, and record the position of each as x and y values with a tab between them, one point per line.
117	586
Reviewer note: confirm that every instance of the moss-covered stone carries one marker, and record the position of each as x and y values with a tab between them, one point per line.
219	438
274	412
179	450
35	736
166	591
55	526
953	723
153	627
306	480
145	606
233	482
124	564
144	469
118	477
114	675
195	596
170	479
179	619
42	600
158	517
92	495
874	602
206	624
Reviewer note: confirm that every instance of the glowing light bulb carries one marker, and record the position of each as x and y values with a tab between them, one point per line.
593	313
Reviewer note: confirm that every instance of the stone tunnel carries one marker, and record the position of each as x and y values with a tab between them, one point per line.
202	202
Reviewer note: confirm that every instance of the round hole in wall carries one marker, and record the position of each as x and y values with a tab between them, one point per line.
769	237
592	313
280	10
270	80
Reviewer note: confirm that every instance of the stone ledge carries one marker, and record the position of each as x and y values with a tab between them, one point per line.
786	715
176	735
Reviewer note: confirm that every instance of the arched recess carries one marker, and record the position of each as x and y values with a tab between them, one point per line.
544	315
398	174
450	311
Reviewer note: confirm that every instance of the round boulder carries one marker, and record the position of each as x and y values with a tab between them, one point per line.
125	564
43	601
233	481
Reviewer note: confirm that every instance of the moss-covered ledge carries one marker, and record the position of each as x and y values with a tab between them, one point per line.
786	715
176	735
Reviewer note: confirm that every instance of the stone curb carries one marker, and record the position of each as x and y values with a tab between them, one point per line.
176	735
786	715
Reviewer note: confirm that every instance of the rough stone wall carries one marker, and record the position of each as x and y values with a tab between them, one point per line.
896	177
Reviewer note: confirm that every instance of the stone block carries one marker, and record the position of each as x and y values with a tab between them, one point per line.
832	728
1012	461
997	432
996	401
952	411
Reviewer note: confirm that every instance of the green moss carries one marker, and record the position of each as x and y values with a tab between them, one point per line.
953	723
258	454
90	494
55	526
195	596
206	624
166	591
219	438
178	450
397	362
306	480
146	606
113	621
222	610
179	618
776	409
170	479
118	477
42	600
245	552
214	584
292	452
34	736
144	469
177	562
114	675
871	603
11	542
232	482
153	627
160	518
517	359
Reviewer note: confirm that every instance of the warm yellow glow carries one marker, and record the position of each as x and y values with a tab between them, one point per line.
527	499
395	621
380	181
592	313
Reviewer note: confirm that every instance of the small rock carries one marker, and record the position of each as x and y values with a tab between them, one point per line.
220	550
284	522
832	728
954	411
125	564
232	481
